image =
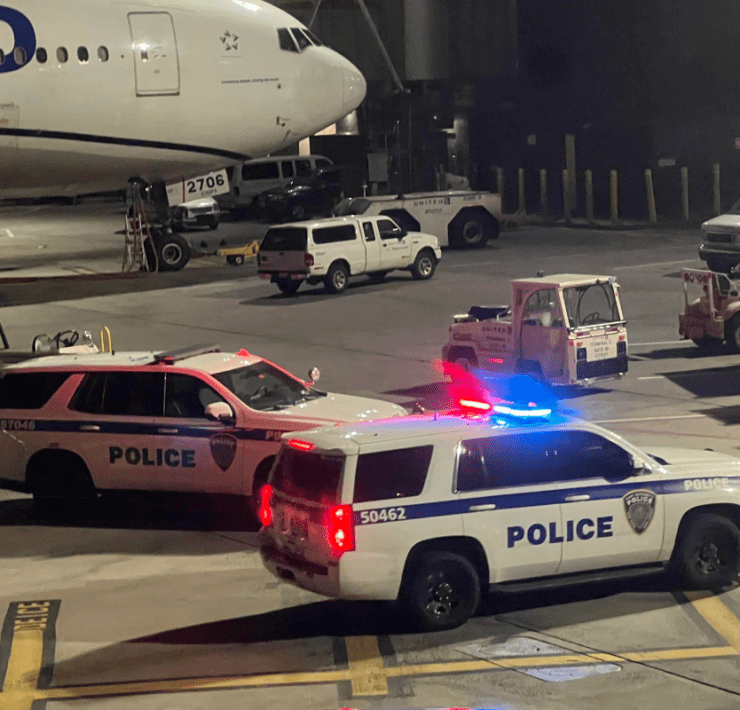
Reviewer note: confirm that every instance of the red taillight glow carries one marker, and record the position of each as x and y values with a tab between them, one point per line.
308	258
474	404
341	529
301	445
243	353
265	512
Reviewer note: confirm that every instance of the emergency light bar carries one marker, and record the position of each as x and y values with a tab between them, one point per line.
171	356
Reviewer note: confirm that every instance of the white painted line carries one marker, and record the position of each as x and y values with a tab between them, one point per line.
654	263
7	233
663	342
469	264
652	377
650	419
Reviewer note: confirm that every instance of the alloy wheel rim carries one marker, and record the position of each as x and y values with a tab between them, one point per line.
425	266
442	597
472	232
171	254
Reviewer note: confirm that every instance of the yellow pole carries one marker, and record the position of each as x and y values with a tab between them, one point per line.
685	193
614	195
543	191
589	196
652	214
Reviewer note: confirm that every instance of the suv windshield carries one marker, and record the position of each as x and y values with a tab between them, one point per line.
262	386
310	476
592	304
358	205
285	239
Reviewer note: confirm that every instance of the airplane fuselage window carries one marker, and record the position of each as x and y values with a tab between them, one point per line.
103	54
41	55
83	55
286	41
300	38
20	55
62	55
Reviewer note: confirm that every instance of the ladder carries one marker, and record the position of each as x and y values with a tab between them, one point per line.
136	233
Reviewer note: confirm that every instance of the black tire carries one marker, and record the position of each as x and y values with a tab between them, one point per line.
337	278
707	554
441	591
732	334
719	265
706	343
424	265
173	252
235	259
377	276
60	484
472	228
464	358
297	212
289	287
213	224
261	474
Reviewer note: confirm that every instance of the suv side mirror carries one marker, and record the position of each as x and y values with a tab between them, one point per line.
401	234
221	412
313	375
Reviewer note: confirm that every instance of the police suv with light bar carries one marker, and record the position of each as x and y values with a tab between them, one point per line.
435	510
189	421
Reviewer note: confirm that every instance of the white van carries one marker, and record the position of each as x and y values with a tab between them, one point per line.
253	177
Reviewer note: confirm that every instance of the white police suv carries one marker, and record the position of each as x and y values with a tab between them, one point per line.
435	510
190	421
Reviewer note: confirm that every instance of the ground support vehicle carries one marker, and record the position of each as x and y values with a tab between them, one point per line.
331	250
64	342
433	511
190	421
313	195
720	247
711	311
236	256
565	329
458	218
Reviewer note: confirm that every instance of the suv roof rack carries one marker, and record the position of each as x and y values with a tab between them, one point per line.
171	356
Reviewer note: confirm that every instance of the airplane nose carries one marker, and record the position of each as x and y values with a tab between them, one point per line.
355	88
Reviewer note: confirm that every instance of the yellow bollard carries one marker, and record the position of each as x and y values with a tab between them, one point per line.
105	340
652	214
685	193
715	189
614	195
589	196
501	186
522	196
543	191
566	196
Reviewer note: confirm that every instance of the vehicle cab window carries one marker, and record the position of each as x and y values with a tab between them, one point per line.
303	168
287	168
369	231
542	308
188	397
386	475
388	229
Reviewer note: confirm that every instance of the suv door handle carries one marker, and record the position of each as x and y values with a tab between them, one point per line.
89	427
573	499
477	508
166	431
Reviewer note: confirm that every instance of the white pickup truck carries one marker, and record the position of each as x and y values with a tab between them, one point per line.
459	218
331	250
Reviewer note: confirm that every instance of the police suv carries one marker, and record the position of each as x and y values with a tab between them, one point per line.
435	510
190	421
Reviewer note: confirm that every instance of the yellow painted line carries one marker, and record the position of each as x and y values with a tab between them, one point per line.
26	655
680	654
366	666
715	611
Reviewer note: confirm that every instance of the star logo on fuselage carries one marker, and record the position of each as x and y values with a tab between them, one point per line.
229	41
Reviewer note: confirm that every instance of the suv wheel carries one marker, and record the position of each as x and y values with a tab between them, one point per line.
424	265
441	591
707	554
59	484
337	278
732	333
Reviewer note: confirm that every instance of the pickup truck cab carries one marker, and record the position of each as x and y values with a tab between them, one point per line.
564	329
332	250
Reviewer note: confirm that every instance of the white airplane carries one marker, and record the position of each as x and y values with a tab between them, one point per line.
95	92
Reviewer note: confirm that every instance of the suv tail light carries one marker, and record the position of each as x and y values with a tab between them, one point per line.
308	259
341	529
265	512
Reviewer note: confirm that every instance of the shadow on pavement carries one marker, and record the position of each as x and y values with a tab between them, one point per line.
713	382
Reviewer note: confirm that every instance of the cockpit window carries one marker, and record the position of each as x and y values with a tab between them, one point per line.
286	41
314	38
300	38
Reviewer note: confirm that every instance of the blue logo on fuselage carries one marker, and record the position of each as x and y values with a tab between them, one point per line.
24	37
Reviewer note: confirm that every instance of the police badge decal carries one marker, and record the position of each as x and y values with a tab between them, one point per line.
639	507
223	450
